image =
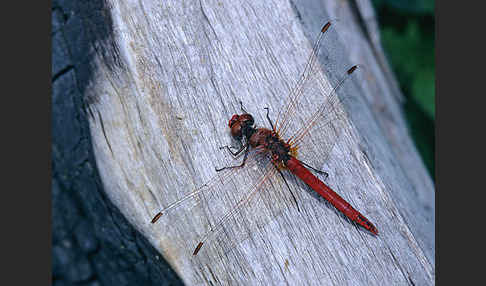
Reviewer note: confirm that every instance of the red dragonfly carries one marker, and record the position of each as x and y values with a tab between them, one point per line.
266	147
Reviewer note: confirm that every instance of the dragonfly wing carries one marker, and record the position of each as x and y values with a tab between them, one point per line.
314	116
286	114
221	180
316	137
254	204
233	205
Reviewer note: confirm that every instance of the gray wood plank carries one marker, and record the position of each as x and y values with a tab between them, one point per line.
164	89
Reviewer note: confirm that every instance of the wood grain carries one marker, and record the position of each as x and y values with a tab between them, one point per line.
159	101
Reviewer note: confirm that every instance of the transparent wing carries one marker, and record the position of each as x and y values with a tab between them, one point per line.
285	115
326	125
314	104
222	179
232	205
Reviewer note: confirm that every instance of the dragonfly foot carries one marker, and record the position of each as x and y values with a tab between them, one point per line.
325	174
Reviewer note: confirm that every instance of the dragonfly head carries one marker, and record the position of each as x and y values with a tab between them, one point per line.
240	125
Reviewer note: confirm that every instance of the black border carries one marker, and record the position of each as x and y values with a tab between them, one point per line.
26	124
459	126
452	231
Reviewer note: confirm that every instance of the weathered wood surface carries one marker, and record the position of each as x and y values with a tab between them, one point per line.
162	93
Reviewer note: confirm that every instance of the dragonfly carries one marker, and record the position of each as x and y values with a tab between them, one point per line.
269	151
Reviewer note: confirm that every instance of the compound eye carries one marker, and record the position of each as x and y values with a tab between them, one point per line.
233	119
236	131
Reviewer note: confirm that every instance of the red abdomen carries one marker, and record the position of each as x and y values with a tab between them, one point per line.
322	189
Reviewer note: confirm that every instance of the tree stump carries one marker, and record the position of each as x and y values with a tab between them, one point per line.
164	80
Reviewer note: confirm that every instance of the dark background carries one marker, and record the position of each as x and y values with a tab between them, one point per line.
92	243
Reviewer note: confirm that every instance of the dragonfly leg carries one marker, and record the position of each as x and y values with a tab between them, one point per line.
290	190
234	154
246	148
268	117
241	107
325	174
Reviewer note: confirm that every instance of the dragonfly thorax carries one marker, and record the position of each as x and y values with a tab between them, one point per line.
267	140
